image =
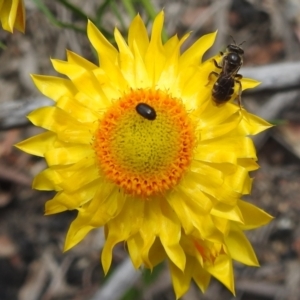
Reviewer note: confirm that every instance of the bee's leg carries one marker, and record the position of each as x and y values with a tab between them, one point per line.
210	77
216	64
213	73
237	80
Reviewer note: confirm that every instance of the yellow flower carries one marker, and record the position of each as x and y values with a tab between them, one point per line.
138	146
12	15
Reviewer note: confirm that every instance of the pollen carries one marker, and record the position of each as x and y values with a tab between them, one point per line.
144	157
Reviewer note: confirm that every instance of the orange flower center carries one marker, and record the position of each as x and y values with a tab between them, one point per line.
144	142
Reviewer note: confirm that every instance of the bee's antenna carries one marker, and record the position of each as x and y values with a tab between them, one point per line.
233	39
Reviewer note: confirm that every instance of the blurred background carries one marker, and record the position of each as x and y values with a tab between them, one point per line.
32	265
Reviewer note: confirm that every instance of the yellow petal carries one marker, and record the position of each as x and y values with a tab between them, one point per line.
112	80
160	220
142	79
53	207
54	87
75	199
106	255
157	253
253	216
222	270
105	205
76	59
242	147
63	177
47	180
155	57
252	124
137	34
208	229
12	15
194	198
38	145
192	217
210	132
169	235
249	83
213	186
126	59
227	212
171	44
67	128
185	215
239	247
187	84
85	82
222	224
215	115
181	279
67	155
70	176
120	228
20	17
135	244
170	71
248	163
237	178
202	278
106	51
75	109
94	214
193	55
77	232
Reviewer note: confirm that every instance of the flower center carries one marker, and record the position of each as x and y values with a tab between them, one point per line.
144	142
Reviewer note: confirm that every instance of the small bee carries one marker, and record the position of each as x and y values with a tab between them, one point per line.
146	111
230	65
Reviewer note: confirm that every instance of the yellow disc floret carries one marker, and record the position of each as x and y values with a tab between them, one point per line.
142	156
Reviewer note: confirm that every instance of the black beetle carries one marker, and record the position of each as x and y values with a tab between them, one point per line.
146	111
